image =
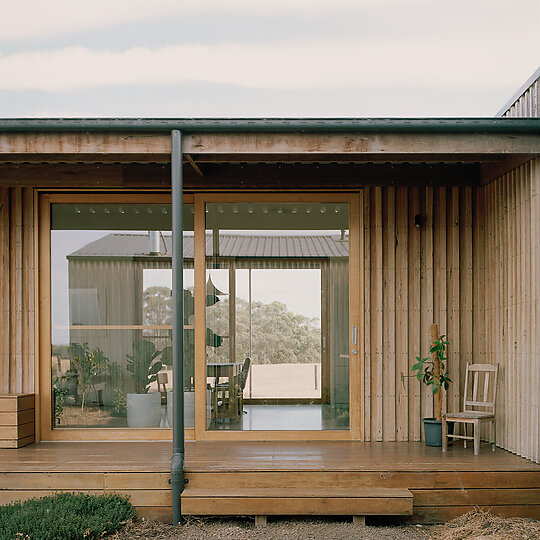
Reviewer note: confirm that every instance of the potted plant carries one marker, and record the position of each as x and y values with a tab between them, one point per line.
432	372
143	406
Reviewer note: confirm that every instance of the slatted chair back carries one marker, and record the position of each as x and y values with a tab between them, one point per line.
482	396
243	375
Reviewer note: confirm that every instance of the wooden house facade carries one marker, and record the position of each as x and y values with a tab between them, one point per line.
443	226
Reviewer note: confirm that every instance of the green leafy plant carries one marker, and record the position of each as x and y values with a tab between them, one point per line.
432	371
60	391
119	399
143	365
87	364
65	515
426	368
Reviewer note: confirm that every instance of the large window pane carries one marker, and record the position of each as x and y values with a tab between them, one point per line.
111	286
277	316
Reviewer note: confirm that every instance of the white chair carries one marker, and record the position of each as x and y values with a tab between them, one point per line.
483	397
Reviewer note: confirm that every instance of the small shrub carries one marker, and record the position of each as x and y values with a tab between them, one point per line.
65	516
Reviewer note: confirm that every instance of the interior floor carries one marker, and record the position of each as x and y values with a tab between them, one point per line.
286	417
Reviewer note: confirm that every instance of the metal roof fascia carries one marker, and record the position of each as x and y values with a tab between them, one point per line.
272	125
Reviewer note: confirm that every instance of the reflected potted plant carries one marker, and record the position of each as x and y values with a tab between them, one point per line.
87	365
432	372
143	406
212	340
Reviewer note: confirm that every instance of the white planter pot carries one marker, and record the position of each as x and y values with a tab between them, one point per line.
189	407
144	410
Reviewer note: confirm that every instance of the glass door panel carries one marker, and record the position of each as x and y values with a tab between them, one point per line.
277	316
111	314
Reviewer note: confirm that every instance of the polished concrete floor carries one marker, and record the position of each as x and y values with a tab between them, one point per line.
287	417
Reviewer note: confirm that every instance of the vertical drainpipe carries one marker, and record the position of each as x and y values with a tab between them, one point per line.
177	462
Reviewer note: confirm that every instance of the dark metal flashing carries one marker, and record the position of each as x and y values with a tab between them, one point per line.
271	125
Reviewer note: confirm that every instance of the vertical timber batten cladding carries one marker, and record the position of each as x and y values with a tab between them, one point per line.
512	304
512	289
16	290
415	276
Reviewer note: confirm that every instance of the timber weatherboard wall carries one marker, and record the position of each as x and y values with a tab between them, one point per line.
16	290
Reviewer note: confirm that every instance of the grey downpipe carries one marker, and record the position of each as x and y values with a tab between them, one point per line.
177	462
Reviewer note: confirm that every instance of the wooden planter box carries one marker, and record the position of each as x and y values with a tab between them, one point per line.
16	420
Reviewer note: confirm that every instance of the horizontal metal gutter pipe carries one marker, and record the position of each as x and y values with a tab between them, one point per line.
272	125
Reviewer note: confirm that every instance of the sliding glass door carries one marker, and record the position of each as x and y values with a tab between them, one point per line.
277	314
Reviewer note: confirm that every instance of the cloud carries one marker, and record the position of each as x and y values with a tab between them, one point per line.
34	18
332	64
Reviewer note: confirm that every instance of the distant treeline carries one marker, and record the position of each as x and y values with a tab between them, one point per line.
278	335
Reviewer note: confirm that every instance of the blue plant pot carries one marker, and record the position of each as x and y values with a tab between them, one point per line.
433	431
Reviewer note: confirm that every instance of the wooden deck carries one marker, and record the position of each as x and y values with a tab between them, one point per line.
442	485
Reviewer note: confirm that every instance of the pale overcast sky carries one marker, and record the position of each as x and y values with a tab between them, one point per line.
241	58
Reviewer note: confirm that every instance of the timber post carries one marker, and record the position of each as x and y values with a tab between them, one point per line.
437	396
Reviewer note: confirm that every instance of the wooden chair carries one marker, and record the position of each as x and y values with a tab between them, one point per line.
480	398
228	397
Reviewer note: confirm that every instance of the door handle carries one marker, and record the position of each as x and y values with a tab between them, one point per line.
354	335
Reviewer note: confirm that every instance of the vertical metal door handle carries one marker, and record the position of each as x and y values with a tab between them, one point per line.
354	335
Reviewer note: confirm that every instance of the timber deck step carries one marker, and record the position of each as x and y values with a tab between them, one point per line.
297	501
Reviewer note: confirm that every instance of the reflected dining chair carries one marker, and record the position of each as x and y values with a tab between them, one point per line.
228	397
483	397
241	384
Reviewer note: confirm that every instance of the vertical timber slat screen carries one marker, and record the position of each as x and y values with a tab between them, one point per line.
413	277
16	290
511	289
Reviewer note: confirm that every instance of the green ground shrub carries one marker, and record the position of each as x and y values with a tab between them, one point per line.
64	516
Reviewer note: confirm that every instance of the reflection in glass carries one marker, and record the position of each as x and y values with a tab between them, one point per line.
277	285
111	286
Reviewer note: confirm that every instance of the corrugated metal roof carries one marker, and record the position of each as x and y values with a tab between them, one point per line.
117	245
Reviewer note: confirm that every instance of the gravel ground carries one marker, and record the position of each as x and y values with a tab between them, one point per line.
278	529
475	525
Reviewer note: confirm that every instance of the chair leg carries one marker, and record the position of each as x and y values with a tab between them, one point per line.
444	435
476	434
465	425
493	436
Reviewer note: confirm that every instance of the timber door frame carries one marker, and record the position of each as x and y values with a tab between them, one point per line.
356	314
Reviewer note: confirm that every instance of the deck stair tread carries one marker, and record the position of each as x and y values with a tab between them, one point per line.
299	492
297	501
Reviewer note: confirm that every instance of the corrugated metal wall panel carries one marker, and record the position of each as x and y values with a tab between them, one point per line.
16	290
512	304
526	104
414	277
